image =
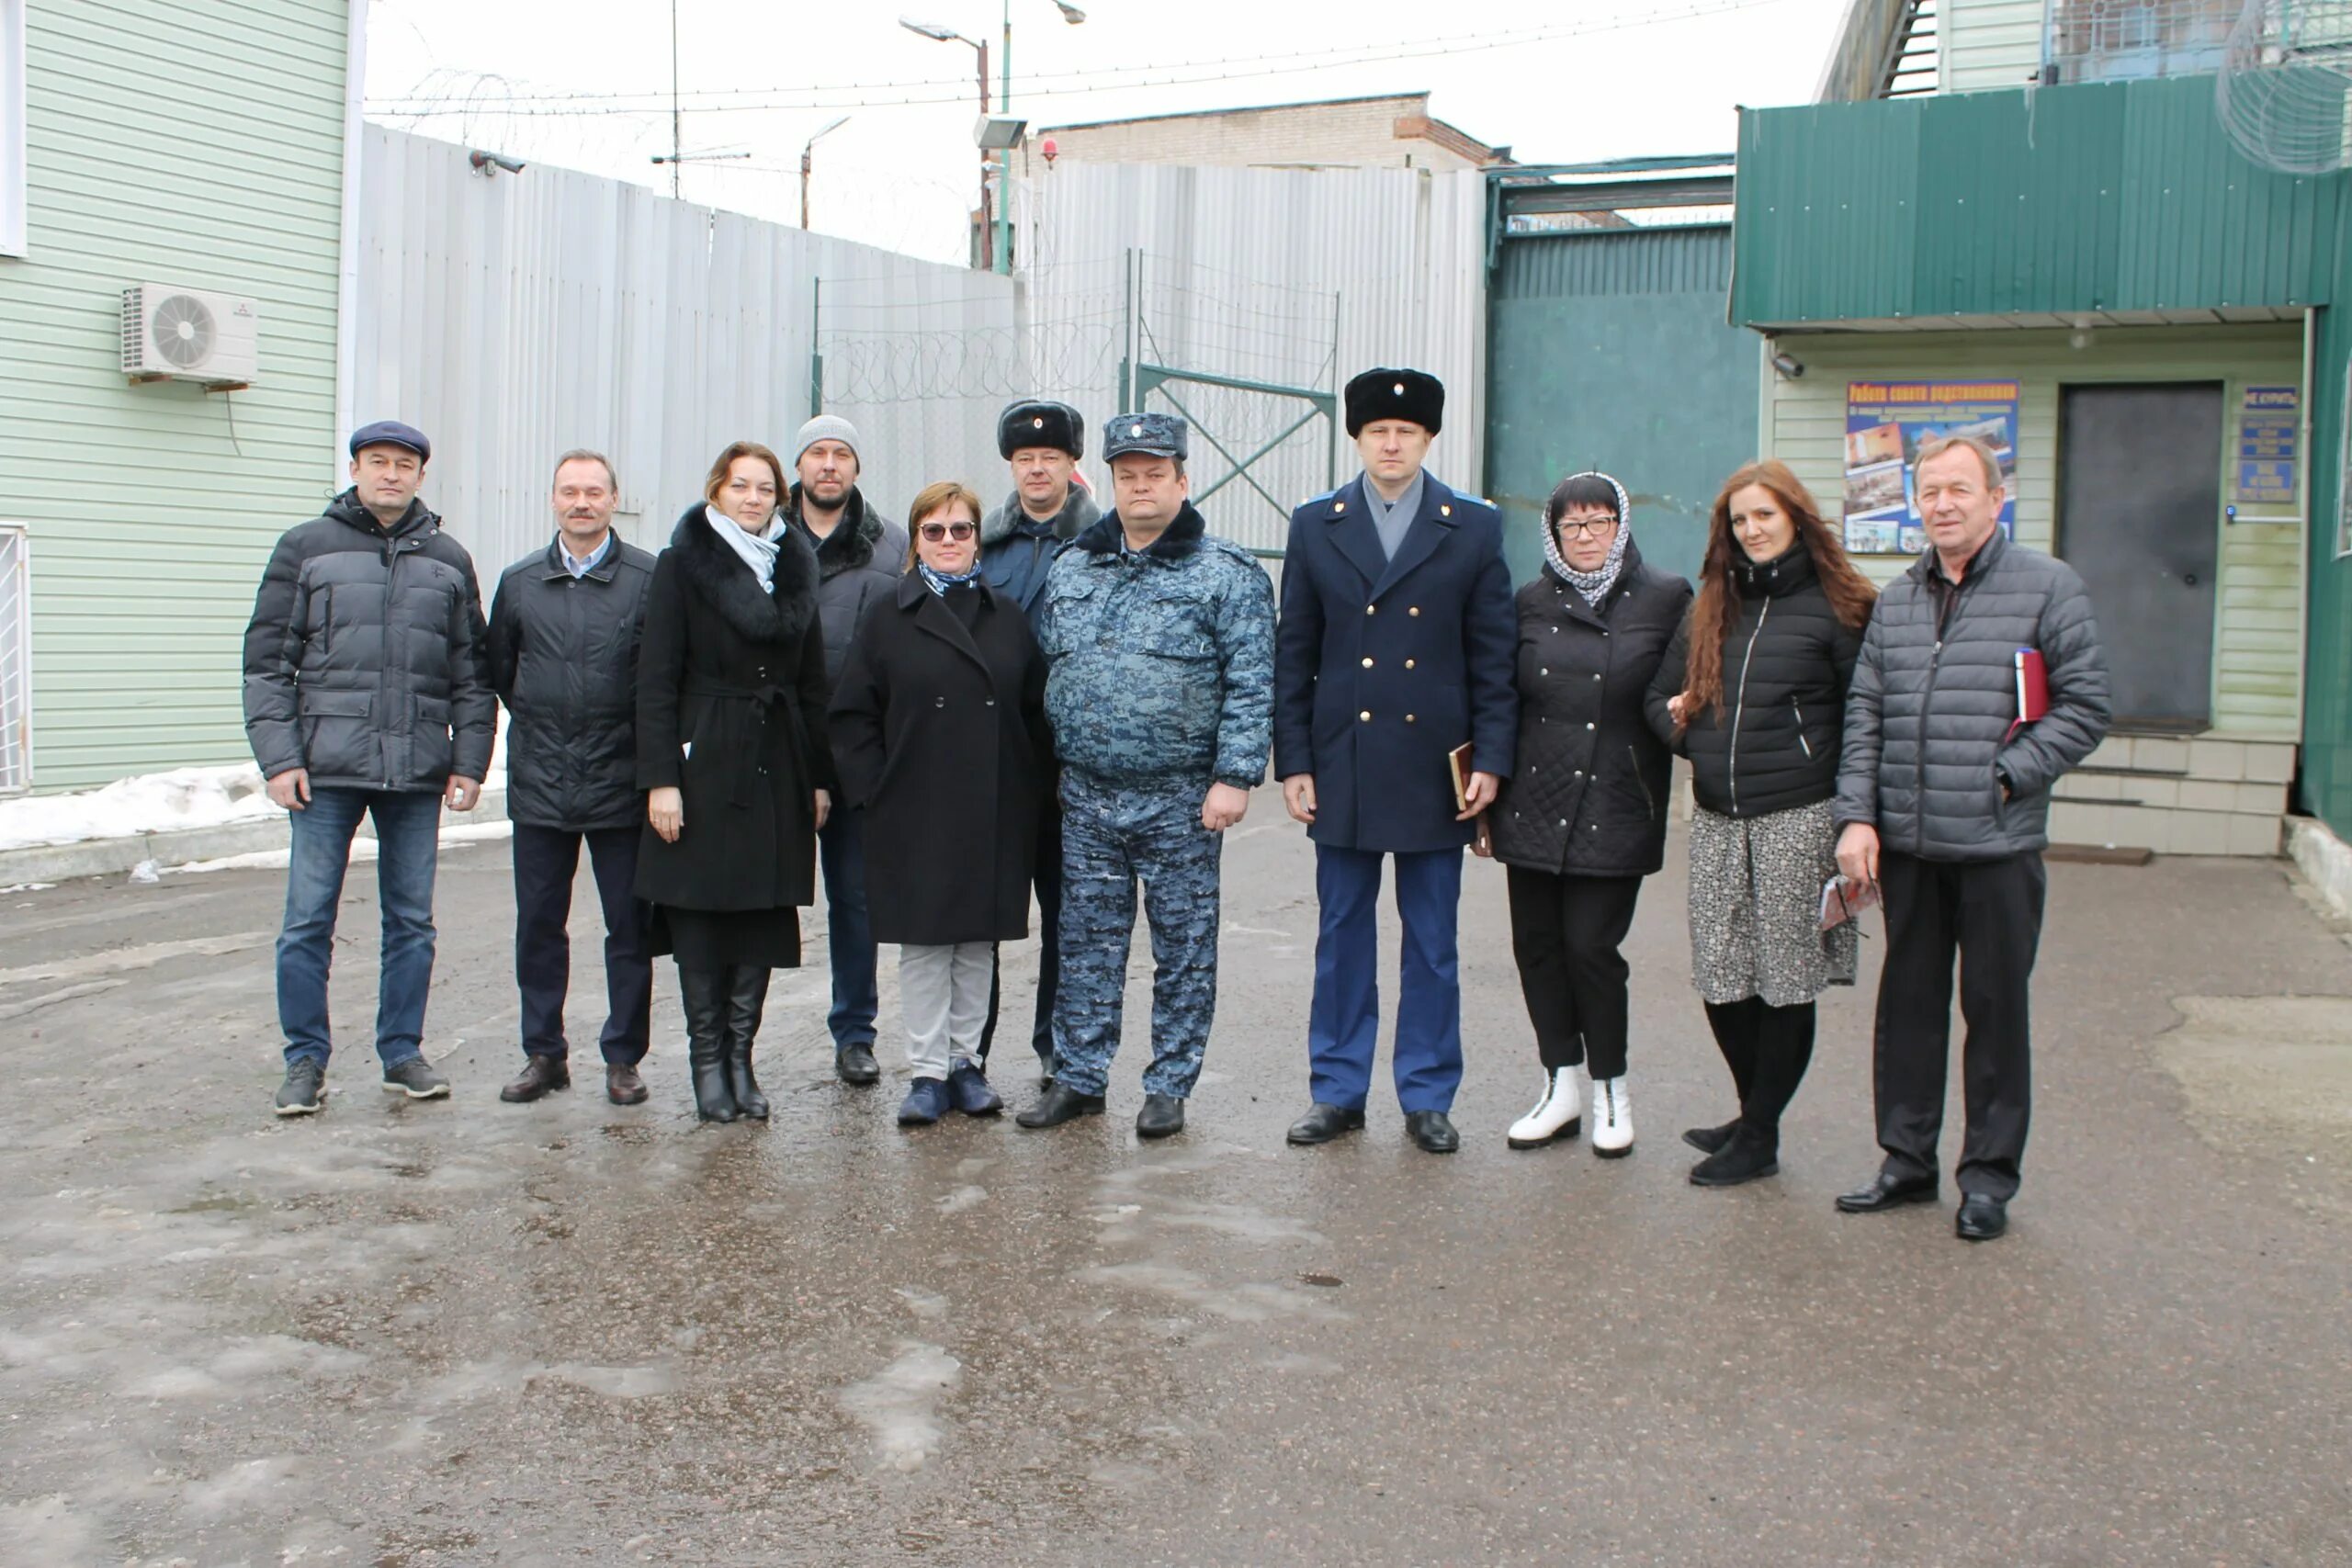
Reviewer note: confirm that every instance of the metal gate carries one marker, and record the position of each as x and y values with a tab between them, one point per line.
1607	348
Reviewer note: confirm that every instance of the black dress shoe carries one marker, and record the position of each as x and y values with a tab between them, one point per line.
1885	1191
1324	1122
1432	1132
540	1075
856	1064
1162	1115
1059	1104
1711	1140
1981	1218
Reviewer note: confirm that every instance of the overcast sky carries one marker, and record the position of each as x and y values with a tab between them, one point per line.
552	80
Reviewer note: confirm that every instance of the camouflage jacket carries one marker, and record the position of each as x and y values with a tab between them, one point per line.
1159	664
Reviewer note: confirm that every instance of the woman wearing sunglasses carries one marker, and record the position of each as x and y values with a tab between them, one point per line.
1582	818
733	751
1754	693
939	725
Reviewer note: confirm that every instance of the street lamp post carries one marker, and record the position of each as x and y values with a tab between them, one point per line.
996	236
806	149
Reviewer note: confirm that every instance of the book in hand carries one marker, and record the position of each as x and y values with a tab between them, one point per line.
2033	690
1457	763
1842	898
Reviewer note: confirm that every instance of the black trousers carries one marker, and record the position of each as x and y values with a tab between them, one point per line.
546	860
1048	883
1566	933
1988	913
1768	1049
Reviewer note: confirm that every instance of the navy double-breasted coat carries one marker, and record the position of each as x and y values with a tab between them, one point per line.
1384	666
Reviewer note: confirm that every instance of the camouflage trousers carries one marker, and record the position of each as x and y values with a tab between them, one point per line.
1110	839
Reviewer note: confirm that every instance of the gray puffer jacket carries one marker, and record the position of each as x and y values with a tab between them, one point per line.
364	659
1928	742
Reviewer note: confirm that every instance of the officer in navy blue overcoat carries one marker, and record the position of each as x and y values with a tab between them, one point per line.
1396	646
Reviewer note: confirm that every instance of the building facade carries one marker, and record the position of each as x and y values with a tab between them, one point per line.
1393	130
2147	323
178	145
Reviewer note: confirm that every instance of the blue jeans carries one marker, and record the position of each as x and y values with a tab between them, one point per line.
407	828
840	849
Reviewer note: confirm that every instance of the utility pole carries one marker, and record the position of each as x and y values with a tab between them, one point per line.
677	139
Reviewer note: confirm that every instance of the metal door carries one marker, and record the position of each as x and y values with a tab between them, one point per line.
2140	518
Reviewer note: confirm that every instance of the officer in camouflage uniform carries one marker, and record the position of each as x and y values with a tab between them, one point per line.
1160	657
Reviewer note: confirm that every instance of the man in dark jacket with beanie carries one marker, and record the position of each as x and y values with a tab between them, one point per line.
1943	800
365	695
1042	441
861	555
563	636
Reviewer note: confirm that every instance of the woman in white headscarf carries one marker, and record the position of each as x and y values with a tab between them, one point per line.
733	754
1582	818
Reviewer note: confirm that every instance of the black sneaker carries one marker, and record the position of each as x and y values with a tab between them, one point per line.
305	1089
416	1079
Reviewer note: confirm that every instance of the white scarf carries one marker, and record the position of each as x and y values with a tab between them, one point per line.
1593	586
758	550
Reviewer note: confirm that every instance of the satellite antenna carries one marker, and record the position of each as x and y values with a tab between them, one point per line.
2285	92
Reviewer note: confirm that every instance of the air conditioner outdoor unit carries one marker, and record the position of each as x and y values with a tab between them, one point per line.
190	334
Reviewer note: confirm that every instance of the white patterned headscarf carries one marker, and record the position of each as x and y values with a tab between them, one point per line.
1593	586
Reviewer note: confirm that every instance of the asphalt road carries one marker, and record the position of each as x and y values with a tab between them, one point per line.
571	1333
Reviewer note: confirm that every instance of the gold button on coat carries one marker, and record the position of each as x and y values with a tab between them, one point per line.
1415	610
1408	664
1367	663
1366	715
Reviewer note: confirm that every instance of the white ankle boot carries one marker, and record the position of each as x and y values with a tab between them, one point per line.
1557	1115
1612	1118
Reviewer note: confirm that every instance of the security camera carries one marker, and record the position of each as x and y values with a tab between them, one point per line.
1788	365
491	163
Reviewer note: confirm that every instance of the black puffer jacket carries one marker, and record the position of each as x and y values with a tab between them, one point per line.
364	659
1588	791
1771	742
1929	737
564	660
858	566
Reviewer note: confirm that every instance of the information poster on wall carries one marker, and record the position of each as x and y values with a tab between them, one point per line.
2269	426
1887	422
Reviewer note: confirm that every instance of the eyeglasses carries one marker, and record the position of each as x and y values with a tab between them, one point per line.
1586	528
934	531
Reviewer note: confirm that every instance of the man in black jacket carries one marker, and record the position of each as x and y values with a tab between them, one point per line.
364	695
563	636
1943	799
861	555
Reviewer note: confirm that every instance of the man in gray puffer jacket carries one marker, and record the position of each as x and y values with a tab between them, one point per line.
1943	800
365	694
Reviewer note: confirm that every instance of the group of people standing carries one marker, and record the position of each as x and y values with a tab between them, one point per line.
1046	699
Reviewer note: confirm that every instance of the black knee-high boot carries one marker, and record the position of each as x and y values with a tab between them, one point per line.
747	992
705	993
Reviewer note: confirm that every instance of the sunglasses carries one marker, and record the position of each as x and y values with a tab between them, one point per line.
934	531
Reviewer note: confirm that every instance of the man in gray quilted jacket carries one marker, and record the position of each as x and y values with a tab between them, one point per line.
367	695
1943	801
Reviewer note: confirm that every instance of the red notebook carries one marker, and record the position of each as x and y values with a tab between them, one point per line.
2033	689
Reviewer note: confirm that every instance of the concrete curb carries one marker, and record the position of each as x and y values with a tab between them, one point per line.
116	857
2325	860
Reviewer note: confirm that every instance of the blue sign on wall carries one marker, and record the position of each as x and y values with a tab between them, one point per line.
2270	428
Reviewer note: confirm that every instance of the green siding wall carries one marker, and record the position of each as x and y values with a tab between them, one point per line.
1608	350
2111	196
2257	668
2327	658
178	141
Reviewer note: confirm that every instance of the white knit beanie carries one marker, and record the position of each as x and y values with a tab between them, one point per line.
826	427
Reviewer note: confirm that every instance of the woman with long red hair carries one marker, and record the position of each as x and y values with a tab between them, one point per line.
1753	691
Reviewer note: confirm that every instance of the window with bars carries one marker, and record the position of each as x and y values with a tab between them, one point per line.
2126	40
16	660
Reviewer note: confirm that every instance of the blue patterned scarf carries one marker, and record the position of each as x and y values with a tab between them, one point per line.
940	582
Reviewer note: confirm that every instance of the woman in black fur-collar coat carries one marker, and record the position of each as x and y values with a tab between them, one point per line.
732	747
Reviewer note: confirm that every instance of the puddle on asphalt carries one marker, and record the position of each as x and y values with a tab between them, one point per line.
898	1406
